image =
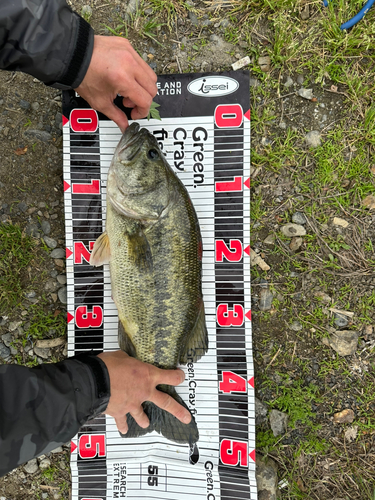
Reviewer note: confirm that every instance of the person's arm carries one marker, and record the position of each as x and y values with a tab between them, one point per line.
44	406
49	41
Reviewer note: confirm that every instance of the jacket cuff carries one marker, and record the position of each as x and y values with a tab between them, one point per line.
80	59
100	375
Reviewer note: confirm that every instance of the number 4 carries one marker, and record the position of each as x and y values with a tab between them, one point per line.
232	383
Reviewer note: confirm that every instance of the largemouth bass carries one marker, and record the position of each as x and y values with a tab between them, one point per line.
154	248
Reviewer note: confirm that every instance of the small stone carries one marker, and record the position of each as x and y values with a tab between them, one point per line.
40	135
266	477
35	106
340	222
7	339
278	422
22	207
296	326
57	450
46	227
265	299
264	63
344	342
269	240
45	463
58	253
289	82
323	297
62	294
306	93
4	351
33	230
299	218
369	202
31	466
50	285
341	321
344	417
367	330
291	230
254	82
260	412
282	125
42	352
24	104
193	18
13	325
30	295
151	56
313	139
296	243
50	242
61	278
60	263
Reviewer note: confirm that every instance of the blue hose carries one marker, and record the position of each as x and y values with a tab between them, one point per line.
354	20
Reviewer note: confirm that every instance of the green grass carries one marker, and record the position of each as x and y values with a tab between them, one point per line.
16	254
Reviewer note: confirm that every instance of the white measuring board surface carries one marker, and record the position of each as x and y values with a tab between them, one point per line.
204	133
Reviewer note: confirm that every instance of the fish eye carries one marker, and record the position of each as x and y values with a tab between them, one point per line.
153	154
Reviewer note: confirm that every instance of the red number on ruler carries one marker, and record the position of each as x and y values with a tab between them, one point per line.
91	445
233	452
228	115
92	188
222	249
232	383
84	120
229	186
225	317
85	319
81	251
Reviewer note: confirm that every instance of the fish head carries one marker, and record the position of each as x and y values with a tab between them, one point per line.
138	185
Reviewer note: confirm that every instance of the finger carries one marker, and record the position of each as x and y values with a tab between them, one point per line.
169	377
167	403
122	424
140	417
142	99
114	113
128	103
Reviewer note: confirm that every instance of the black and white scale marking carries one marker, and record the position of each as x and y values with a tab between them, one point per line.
206	139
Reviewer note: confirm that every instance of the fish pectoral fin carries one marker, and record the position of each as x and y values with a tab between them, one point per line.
125	341
139	250
101	253
197	343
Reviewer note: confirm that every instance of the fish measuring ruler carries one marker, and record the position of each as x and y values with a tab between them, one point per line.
205	136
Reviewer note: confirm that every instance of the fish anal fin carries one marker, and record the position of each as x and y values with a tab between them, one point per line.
125	341
101	252
197	343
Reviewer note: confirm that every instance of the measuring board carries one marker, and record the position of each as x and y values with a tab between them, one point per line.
204	133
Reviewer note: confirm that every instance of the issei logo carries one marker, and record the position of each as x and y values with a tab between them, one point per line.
213	86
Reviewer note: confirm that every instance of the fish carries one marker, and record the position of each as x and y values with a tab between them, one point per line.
153	244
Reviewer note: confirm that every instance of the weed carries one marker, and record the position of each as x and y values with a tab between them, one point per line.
16	253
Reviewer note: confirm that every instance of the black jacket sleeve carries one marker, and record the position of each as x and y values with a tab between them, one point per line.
46	39
43	407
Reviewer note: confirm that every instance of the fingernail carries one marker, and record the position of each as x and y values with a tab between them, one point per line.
187	419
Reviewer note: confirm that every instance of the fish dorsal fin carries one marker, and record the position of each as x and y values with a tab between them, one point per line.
197	343
101	253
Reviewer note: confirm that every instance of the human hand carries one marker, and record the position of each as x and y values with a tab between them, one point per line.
116	68
133	382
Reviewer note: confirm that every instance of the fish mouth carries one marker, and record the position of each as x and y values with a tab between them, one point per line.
131	142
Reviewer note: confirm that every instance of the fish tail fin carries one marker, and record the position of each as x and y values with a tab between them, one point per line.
164	423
